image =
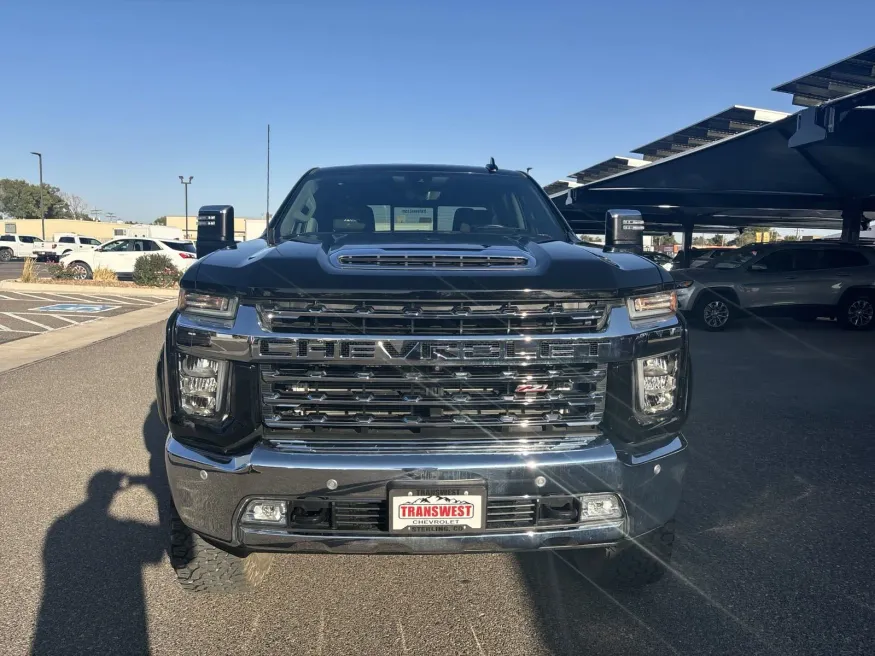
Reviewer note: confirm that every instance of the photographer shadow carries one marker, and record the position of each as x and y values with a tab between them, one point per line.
93	598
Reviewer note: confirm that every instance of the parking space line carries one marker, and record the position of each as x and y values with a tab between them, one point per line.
7	298
63	296
26	332
53	314
35	323
145	300
112	300
39	298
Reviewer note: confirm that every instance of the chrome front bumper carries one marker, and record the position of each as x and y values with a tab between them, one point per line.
209	493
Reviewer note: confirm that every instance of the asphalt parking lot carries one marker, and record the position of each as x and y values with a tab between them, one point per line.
774	551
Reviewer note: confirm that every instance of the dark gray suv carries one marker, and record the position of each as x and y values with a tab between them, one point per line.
801	279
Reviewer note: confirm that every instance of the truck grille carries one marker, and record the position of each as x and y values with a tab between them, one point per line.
504	399
459	316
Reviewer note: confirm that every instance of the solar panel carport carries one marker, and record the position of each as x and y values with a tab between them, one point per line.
813	169
746	166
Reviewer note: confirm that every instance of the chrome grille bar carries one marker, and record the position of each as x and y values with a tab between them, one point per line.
498	444
460	316
432	261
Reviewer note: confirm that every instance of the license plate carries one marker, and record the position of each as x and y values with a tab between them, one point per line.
426	508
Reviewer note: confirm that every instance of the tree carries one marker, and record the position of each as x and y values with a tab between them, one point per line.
77	206
754	234
717	240
21	200
791	238
161	220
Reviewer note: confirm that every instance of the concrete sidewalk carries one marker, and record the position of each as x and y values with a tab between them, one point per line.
14	285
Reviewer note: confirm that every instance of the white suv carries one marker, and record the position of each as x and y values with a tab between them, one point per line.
120	255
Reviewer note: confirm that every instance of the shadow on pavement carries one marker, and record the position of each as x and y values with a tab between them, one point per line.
93	598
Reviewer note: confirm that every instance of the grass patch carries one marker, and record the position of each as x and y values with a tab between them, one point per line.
103	275
28	273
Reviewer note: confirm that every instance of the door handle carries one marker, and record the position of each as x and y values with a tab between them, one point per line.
843	275
789	277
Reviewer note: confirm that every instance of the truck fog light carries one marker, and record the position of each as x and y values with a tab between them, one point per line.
600	506
200	384
264	511
657	383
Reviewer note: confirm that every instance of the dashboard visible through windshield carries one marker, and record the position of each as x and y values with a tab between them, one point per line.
387	201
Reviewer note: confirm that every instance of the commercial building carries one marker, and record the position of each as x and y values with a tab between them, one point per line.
244	228
101	230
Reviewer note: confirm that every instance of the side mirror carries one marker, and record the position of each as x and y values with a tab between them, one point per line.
758	267
624	231
215	228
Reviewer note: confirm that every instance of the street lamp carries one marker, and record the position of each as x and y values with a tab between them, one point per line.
182	180
41	213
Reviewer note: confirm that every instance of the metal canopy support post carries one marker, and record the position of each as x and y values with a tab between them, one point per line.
852	219
688	244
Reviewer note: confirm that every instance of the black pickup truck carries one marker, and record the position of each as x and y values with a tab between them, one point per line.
422	359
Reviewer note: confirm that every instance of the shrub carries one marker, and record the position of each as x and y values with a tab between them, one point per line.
59	272
156	271
102	274
28	273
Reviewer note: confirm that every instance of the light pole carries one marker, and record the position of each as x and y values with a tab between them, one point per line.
182	180
41	213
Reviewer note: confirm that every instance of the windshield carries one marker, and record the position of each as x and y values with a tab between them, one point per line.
184	246
398	201
732	259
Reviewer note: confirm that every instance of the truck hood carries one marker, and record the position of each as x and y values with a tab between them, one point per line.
255	268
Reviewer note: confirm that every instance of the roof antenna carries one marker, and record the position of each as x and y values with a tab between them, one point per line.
491	167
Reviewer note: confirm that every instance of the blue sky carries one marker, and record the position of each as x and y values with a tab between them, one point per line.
124	96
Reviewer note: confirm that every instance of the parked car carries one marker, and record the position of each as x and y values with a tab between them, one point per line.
699	257
65	243
661	259
801	279
441	374
120	255
18	246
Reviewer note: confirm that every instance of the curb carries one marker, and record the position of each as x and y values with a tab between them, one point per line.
40	347
15	286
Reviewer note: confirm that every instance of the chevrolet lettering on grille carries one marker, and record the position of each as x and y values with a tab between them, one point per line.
437	351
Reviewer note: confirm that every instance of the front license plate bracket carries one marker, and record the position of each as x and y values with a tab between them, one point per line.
437	507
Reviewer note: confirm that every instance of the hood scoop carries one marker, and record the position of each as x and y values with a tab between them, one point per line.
384	260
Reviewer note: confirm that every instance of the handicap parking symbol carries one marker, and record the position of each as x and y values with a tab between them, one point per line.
76	308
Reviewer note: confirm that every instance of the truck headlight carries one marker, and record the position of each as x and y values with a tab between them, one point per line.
208	305
201	383
657	383
652	305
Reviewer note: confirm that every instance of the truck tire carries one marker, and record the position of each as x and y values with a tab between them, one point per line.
202	567
80	270
5	254
857	311
713	313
